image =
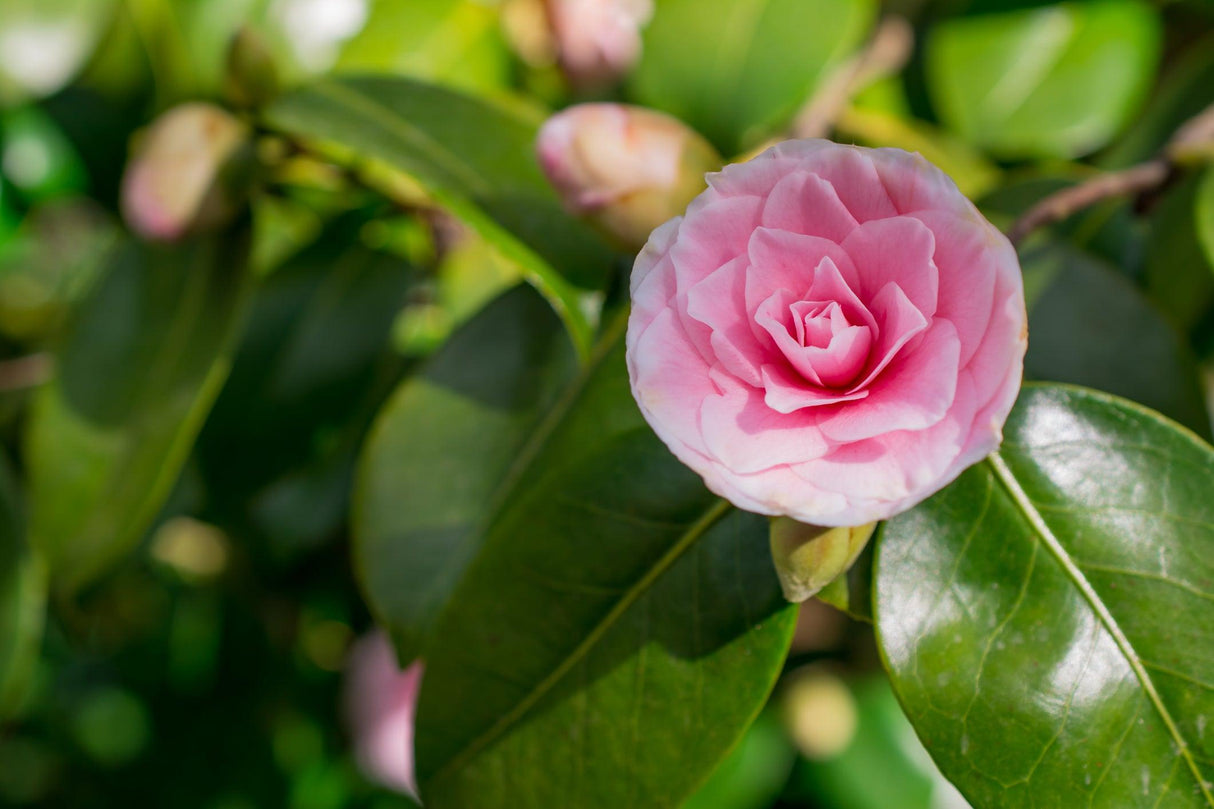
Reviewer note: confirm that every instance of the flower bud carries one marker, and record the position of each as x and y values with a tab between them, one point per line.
809	557
187	175
626	169
250	77
597	41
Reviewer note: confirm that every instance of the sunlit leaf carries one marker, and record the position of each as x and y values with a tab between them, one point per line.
1054	81
736	70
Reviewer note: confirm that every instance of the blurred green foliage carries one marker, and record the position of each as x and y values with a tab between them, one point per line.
193	654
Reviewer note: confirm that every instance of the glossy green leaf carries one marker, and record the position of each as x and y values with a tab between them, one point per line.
134	380
1055	81
448	452
736	70
1089	325
620	626
476	159
1045	618
311	370
454	42
22	598
620	629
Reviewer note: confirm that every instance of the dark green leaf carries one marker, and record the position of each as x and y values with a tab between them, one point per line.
311	369
1055	81
620	627
22	599
1089	325
135	379
738	69
1046	617
448	452
1180	261
476	159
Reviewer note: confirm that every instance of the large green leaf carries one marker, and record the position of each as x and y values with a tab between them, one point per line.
619	630
1089	325
1055	81
448	452
476	159
137	374
738	69
1045	618
22	598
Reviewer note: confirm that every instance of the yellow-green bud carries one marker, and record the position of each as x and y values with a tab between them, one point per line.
809	557
251	77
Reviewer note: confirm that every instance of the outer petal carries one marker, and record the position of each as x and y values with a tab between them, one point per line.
714	230
669	381
805	203
850	171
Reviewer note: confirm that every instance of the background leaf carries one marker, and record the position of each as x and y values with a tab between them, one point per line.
136	376
447	453
1089	325
312	367
490	181
754	62
1044	618
22	599
1057	81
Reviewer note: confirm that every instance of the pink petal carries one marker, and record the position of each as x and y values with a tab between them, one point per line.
746	435
899	321
714	231
842	360
914	392
970	254
850	171
805	203
898	250
719	302
654	251
669	381
783	260
786	392
830	285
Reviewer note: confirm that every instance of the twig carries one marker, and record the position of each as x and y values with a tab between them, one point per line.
24	372
887	52
1193	141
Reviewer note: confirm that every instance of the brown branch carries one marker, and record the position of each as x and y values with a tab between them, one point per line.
886	53
1193	141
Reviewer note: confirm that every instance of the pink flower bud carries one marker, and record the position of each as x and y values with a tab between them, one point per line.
626	169
176	183
381	703
597	41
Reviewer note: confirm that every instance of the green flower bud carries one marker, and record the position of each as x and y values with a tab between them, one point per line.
809	557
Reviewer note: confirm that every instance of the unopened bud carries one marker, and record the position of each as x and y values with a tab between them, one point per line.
251	78
809	557
597	41
626	169
186	176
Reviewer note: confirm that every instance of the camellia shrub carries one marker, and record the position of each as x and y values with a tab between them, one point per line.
684	400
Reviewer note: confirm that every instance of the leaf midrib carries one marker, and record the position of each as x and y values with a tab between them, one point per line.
711	516
1024	504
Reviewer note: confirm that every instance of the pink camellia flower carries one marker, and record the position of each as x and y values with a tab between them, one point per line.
830	333
381	703
597	41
